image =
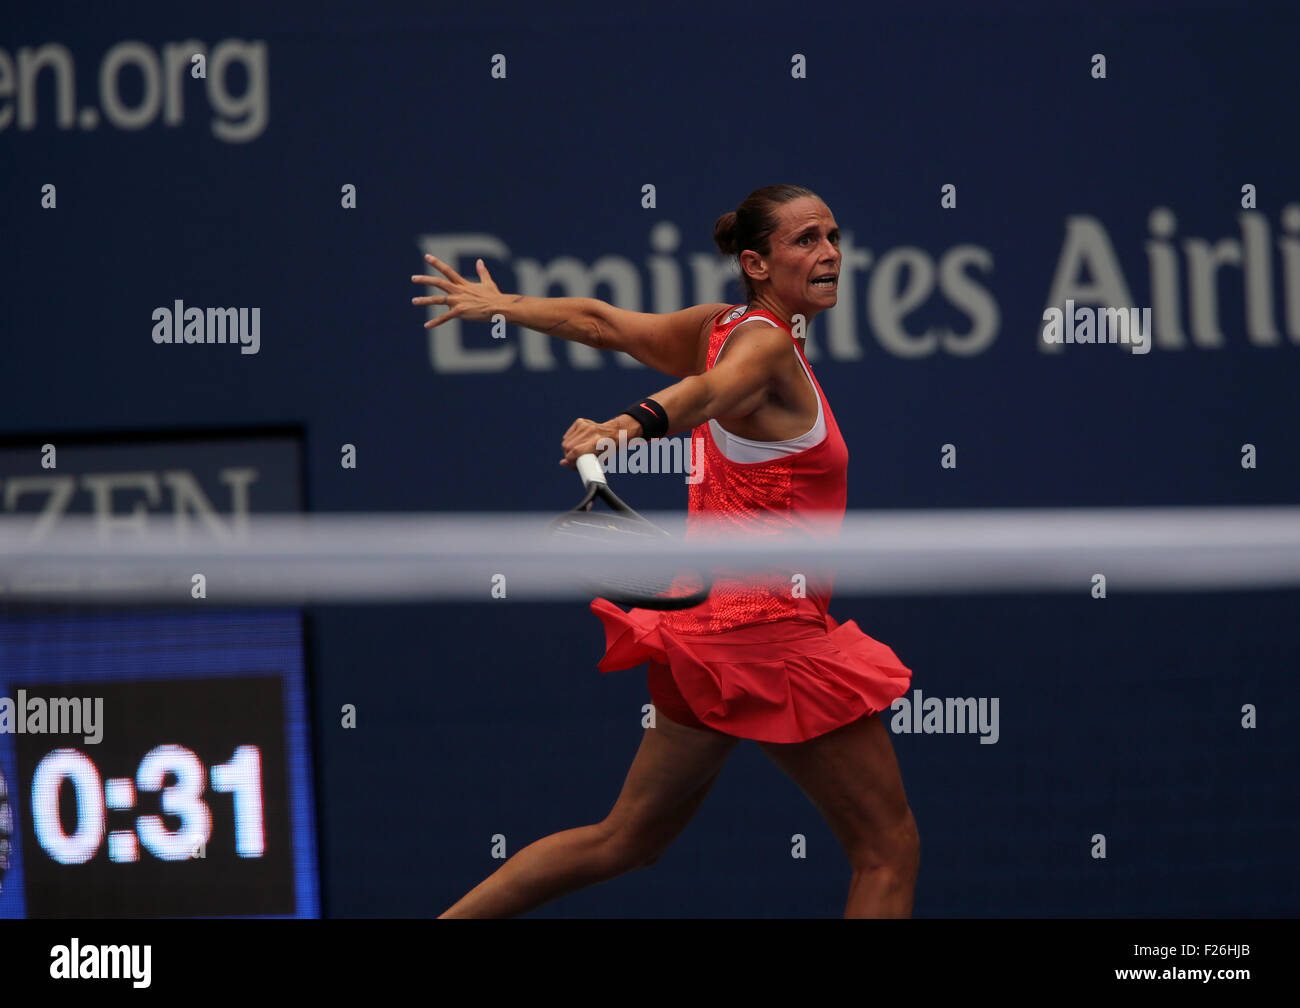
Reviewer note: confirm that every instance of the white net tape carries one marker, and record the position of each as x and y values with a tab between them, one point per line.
447	556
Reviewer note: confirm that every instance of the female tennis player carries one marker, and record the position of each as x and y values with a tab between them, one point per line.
760	659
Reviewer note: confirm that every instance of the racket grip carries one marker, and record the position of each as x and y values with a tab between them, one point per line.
589	469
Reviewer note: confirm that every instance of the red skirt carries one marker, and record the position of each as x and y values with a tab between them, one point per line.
771	682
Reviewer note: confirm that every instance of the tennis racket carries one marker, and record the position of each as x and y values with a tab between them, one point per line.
618	525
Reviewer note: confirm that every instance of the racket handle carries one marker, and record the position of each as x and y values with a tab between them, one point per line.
589	469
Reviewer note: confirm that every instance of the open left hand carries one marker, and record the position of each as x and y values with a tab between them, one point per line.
477	302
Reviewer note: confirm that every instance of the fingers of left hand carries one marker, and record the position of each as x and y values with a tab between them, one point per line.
443	268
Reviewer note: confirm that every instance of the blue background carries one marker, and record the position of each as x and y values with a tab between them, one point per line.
1118	717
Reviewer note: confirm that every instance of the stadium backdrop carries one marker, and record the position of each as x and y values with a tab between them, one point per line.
1119	716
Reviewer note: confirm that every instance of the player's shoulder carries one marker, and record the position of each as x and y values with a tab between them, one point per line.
737	312
756	324
740	323
748	318
710	319
759	336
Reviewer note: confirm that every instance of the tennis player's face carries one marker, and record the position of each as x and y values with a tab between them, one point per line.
804	262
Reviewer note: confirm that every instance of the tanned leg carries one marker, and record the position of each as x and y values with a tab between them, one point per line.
852	778
674	768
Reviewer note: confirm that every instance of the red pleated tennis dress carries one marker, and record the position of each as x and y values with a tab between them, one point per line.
760	659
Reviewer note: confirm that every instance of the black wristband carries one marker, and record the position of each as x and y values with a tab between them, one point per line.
652	417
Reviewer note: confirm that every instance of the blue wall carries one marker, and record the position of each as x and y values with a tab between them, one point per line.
1118	717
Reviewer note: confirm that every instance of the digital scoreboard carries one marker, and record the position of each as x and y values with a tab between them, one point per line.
155	762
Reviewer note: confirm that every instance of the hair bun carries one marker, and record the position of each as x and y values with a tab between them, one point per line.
724	233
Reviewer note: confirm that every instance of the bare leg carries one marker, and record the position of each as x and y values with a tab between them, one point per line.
852	778
673	770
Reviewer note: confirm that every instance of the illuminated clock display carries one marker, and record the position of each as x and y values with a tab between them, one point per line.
240	777
182	808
